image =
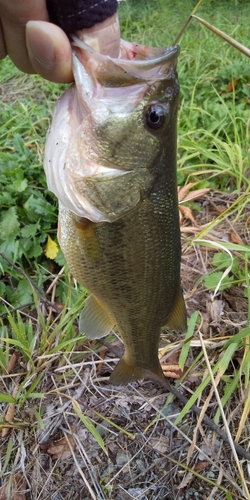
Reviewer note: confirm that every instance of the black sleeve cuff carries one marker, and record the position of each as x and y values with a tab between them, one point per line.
73	15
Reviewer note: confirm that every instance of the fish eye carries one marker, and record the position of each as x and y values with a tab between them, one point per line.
155	115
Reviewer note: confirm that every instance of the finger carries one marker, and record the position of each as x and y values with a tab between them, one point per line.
49	51
3	51
14	16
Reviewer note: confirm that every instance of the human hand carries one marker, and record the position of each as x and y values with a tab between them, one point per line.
32	43
37	46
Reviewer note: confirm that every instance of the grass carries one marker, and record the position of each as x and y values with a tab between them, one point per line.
53	381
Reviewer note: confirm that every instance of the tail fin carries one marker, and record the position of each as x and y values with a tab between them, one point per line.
125	373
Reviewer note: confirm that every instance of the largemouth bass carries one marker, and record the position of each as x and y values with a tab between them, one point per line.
111	160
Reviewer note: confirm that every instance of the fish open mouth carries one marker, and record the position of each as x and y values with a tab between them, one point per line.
88	178
136	63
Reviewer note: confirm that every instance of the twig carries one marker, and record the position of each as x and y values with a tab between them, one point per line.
186	23
13	309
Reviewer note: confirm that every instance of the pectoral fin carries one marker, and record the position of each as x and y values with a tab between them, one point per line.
95	322
178	318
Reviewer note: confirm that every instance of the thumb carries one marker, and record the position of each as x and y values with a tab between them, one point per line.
49	51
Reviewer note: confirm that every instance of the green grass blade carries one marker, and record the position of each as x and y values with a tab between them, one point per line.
89	426
6	398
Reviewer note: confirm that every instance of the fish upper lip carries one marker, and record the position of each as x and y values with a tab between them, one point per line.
170	53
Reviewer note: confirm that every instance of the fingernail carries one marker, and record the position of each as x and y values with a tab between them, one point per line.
40	43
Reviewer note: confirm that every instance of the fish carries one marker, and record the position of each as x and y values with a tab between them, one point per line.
110	158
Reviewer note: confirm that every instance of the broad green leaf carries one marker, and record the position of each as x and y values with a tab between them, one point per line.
40	206
213	279
30	230
23	293
221	259
9	224
7	247
35	251
2	288
20	185
60	259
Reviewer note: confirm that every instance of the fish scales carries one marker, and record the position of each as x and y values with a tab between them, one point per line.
131	270
130	257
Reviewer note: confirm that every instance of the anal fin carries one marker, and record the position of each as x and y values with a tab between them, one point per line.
95	322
